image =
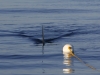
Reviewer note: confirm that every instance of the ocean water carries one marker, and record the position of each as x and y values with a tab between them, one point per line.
75	22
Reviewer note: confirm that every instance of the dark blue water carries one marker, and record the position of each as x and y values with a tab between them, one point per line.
75	22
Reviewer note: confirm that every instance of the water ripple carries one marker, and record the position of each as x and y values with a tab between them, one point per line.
43	10
28	56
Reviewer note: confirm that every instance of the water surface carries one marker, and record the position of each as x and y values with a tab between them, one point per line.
65	21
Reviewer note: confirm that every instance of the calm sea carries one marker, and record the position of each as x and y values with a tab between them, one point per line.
75	22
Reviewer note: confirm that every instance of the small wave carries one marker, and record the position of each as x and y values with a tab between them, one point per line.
5	33
35	10
20	57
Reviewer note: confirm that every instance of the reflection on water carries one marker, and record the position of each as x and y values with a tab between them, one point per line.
68	70
43	70
68	62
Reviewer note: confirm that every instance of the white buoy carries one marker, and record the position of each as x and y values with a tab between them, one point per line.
68	50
